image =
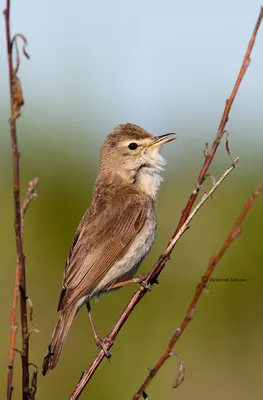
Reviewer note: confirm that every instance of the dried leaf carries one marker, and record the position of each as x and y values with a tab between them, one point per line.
227	141
33	331
30	303
33	387
181	372
17	96
212	178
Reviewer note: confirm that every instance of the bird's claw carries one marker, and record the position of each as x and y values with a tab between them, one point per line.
102	345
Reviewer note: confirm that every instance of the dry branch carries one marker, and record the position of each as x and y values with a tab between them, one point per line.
237	229
16	102
158	267
141	292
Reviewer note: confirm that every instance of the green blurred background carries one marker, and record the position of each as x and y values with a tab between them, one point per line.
167	68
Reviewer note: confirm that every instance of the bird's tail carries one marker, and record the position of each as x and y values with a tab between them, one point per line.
58	338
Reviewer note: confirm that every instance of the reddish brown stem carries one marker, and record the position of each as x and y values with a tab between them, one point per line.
16	101
199	289
158	267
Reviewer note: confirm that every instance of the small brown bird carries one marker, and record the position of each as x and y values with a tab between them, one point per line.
117	231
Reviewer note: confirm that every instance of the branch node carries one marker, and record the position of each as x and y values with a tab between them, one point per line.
196	189
14	327
190	314
152	372
236	232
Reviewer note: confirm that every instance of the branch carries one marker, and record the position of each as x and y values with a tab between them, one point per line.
158	267
16	102
235	232
139	294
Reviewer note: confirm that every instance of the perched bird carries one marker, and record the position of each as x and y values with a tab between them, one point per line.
118	229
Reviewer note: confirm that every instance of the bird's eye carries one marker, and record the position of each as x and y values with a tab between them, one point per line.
132	146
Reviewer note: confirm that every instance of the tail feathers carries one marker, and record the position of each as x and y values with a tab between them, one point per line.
57	341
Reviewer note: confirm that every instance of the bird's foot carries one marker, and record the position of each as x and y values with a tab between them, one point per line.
103	344
141	281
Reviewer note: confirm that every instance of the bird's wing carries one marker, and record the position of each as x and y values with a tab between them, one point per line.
100	241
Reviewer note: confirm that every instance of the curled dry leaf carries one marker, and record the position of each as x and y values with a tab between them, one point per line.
14	41
17	99
17	93
212	178
33	387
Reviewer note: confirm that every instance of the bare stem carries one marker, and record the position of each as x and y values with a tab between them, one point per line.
16	102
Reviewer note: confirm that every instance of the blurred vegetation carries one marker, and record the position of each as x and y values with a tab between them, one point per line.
222	347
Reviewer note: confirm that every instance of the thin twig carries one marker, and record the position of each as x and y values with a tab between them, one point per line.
237	229
140	293
16	102
158	267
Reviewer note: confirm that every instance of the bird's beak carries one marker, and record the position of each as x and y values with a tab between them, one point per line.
163	139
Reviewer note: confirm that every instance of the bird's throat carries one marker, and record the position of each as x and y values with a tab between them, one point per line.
148	180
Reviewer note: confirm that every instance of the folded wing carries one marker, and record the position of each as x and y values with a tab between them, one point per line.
101	240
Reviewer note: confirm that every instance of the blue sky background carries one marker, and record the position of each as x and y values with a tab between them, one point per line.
166	65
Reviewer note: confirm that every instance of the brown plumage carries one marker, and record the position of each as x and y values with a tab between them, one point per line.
116	232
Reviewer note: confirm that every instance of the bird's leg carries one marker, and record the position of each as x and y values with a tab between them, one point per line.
99	342
140	280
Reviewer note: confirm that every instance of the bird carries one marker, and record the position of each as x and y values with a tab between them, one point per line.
116	232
